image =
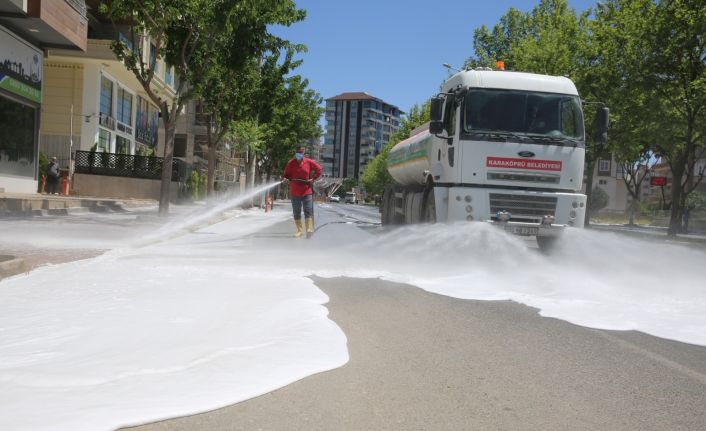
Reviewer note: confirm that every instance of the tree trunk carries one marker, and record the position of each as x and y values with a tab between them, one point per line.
675	211
169	127
633	207
211	172
250	172
589	189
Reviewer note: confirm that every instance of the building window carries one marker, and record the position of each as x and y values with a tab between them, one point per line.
180	145
168	75
124	113
602	182
103	140
201	146
106	96
153	58
122	145
147	123
604	167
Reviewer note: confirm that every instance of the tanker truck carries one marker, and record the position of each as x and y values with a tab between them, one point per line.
502	147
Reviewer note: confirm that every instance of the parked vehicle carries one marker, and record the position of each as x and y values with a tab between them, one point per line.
334	198
502	147
351	198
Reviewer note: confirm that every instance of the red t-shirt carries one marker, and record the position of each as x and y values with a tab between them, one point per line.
303	170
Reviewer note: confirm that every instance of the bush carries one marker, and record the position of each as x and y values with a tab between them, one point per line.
43	163
193	184
599	200
696	201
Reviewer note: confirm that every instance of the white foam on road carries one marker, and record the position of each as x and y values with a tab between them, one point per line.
137	335
224	313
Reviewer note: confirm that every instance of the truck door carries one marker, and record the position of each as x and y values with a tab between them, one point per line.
450	125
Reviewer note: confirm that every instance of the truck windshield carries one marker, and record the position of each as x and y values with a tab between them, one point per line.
532	114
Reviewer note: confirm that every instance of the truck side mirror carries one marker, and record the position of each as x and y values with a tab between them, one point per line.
436	115
602	122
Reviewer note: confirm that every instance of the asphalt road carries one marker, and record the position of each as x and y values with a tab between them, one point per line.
420	361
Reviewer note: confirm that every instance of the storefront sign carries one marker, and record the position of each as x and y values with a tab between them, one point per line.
20	67
658	181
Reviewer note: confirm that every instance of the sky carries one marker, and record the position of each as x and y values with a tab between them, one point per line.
220	306
392	49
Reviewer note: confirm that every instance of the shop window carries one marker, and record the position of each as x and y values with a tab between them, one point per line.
17	138
103	140
122	145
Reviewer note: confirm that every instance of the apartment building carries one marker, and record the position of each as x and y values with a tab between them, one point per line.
358	126
191	146
608	175
93	102
28	29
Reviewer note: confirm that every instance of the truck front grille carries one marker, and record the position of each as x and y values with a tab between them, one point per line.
529	208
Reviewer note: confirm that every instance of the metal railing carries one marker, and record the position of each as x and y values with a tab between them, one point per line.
126	165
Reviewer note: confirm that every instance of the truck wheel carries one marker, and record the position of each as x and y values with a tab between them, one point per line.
547	243
429	214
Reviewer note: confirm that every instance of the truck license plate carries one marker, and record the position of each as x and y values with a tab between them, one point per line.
524	230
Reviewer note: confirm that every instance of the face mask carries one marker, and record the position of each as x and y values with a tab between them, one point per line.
299	156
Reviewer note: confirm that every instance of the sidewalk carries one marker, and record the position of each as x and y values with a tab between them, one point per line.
35	204
648	231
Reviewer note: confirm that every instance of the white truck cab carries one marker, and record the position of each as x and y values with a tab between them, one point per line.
501	147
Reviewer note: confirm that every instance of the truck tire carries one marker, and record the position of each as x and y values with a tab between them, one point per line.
389	217
429	207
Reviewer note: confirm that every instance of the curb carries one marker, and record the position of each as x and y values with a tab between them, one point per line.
11	265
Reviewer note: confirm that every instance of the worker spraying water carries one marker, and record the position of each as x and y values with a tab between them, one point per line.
301	172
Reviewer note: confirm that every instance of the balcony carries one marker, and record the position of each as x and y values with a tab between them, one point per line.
52	23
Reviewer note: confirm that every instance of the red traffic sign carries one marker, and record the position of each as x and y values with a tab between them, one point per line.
658	181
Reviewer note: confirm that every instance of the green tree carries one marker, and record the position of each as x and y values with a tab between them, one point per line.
600	201
192	36
233	95
294	121
655	55
375	176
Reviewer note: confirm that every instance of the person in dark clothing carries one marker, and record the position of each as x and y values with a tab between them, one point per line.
52	174
301	172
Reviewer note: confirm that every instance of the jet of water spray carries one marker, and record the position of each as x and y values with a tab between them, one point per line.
193	221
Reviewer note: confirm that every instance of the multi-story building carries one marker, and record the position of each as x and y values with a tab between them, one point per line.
28	30
93	102
608	175
191	146
358	126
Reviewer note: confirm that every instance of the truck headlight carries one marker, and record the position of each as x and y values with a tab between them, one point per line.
503	215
